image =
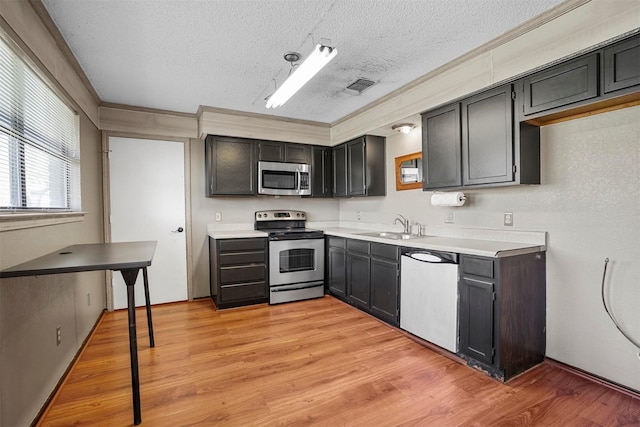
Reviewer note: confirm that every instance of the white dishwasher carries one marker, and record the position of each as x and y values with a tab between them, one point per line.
429	296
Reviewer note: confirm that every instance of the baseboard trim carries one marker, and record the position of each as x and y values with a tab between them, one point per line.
54	394
591	377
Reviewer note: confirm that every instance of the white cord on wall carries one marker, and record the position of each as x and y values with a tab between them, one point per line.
613	319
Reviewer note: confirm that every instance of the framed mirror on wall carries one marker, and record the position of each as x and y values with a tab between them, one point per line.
409	171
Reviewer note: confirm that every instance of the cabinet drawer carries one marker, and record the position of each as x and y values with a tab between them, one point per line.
337	242
358	246
390	252
561	85
622	65
482	267
239	258
245	273
238	245
243	291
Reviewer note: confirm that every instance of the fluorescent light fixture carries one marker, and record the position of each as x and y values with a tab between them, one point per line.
403	127
320	56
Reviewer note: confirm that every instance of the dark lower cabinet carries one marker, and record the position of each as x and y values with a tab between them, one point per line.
337	266
366	275
238	271
385	282
358	264
502	312
476	319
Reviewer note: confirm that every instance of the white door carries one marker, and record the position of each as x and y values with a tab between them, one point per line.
148	203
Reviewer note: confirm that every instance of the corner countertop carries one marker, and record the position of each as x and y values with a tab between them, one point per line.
468	246
235	234
481	242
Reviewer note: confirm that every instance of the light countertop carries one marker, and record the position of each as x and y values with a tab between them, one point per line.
481	247
488	243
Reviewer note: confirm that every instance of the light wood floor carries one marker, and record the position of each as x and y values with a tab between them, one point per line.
311	362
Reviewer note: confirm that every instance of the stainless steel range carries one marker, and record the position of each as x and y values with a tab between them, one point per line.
296	256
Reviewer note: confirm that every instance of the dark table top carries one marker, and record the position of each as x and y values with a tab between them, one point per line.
87	257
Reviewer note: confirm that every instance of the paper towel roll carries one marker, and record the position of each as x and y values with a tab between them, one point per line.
448	199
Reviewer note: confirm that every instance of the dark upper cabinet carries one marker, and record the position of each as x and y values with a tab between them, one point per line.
356	168
339	170
297	153
359	167
487	137
441	148
479	142
230	166
271	151
561	85
621	65
275	151
321	172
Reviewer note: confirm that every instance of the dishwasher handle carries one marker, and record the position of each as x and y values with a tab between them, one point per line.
432	257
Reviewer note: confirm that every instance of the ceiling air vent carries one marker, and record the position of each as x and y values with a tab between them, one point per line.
360	85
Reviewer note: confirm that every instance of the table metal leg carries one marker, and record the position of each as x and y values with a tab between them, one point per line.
130	277
152	342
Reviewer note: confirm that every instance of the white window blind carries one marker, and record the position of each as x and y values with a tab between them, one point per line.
39	141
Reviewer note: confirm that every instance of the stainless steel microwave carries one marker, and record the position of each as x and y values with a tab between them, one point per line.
284	179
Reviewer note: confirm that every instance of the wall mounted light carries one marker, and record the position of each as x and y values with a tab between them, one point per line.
320	56
403	127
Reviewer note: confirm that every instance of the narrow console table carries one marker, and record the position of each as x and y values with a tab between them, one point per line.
126	257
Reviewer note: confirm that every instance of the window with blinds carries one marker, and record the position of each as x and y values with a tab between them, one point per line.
39	140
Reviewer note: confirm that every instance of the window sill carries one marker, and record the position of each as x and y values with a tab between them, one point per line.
18	221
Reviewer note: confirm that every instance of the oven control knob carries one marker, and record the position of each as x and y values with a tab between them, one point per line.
259	215
302	215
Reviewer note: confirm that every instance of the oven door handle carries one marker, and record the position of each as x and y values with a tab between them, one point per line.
311	285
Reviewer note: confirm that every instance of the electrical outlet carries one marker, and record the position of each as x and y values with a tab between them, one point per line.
508	219
358	215
450	217
58	335
218	216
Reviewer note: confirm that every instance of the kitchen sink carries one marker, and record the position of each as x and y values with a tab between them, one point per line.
390	235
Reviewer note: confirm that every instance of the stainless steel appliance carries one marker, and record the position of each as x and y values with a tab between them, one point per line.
285	179
429	297
296	256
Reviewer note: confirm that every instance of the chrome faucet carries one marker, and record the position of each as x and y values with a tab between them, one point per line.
419	228
405	223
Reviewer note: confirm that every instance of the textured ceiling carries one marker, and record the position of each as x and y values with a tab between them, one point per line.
179	54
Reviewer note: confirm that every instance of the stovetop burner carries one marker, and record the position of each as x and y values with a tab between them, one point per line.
285	225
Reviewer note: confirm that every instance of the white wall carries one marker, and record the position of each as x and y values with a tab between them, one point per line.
31	364
32	307
589	203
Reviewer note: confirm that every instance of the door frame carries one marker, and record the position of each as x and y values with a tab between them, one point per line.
106	205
